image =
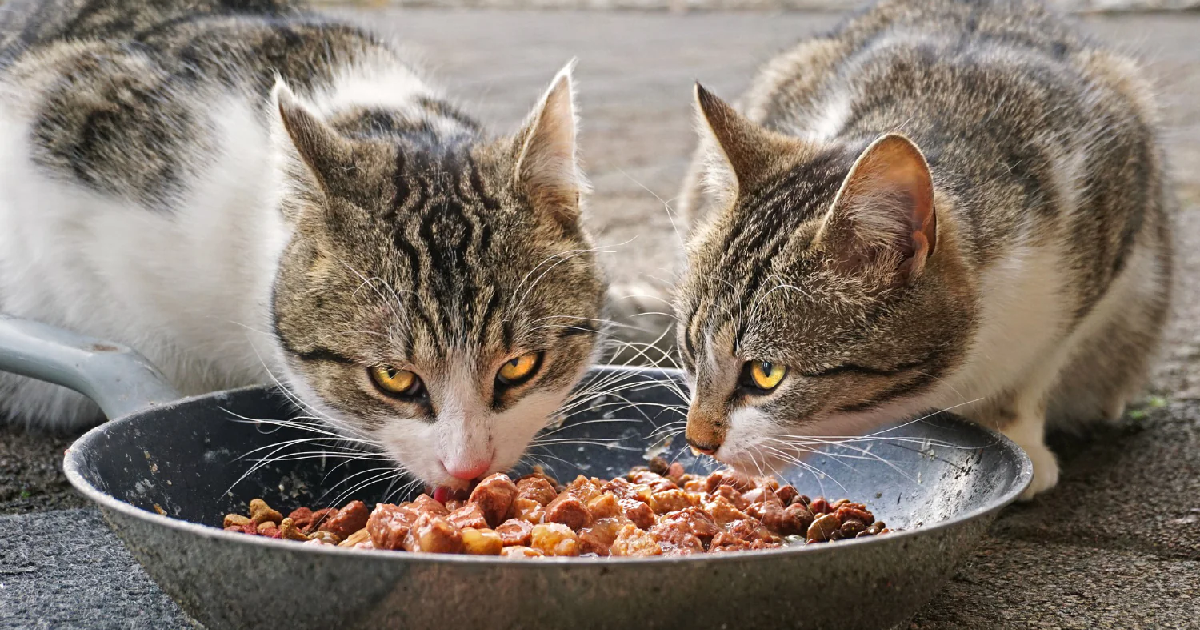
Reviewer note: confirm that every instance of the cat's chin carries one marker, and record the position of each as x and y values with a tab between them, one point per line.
761	463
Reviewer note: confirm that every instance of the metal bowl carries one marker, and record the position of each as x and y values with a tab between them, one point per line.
164	478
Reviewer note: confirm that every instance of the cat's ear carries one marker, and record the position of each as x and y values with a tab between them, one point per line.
738	151
883	216
547	162
324	152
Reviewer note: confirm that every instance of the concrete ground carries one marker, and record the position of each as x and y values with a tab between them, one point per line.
1115	545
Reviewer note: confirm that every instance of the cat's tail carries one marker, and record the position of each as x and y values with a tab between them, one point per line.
641	328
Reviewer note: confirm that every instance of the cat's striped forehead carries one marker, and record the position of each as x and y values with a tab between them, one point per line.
768	230
461	260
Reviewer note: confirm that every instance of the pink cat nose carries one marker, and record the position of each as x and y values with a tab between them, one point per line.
470	470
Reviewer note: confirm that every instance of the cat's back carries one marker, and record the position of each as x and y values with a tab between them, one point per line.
949	65
1040	132
124	97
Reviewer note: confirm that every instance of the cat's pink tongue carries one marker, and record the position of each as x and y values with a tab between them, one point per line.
443	494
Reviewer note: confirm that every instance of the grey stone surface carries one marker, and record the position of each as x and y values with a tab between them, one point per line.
65	569
1117	544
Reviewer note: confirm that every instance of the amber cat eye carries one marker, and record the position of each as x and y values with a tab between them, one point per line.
763	376
395	382
519	369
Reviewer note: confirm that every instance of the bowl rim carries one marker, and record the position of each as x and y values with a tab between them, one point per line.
73	461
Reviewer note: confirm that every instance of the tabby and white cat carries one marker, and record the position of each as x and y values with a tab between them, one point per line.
941	204
237	193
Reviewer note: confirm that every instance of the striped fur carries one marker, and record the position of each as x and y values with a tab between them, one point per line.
1035	287
244	190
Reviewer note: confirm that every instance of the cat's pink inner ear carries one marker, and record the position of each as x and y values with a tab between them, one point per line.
886	205
547	160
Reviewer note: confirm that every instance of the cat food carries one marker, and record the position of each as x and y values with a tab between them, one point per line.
652	511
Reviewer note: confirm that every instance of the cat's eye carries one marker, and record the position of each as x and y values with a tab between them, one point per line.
762	376
395	382
519	369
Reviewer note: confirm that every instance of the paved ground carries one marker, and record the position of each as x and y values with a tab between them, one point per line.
1117	544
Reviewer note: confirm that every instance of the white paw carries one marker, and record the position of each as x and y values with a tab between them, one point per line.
1045	470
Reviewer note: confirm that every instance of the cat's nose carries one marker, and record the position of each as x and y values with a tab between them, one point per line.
469	470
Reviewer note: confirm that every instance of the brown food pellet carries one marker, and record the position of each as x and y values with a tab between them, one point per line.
855	511
494	495
347	520
388	525
527	510
852	527
515	532
637	512
426	504
657	510
568	510
536	489
658	466
302	517
468	516
823	527
433	534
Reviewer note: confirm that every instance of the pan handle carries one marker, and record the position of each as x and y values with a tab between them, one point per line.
119	379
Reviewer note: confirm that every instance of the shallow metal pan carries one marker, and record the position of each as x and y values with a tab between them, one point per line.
940	479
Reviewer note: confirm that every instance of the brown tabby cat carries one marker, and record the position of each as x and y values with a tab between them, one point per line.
941	204
243	190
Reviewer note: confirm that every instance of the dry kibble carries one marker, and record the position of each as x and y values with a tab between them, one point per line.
235	520
289	531
260	512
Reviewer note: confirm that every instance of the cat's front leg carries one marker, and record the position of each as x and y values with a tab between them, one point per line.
1027	428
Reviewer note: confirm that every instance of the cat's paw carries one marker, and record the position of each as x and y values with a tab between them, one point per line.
1045	470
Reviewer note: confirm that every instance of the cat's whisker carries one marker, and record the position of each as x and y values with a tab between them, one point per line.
665	205
350	480
358	487
864	454
554	457
818	475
